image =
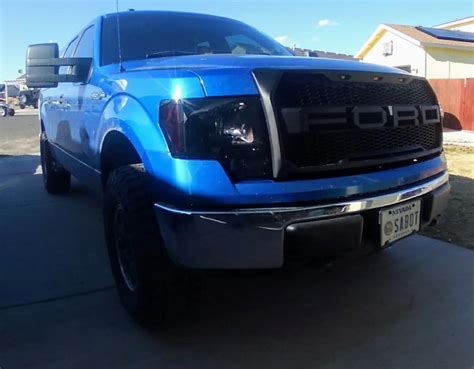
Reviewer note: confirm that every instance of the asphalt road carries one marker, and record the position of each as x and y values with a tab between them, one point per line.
410	306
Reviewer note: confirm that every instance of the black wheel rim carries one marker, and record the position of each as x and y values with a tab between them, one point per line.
125	252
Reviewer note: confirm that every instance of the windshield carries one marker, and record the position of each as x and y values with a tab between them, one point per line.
146	35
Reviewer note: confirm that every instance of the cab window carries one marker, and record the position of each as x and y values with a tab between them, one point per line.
85	48
67	54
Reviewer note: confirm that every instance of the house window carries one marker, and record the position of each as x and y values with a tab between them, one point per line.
388	48
406	68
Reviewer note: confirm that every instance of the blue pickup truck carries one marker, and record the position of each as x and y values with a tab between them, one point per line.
216	148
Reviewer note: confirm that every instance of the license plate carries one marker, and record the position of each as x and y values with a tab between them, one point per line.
399	221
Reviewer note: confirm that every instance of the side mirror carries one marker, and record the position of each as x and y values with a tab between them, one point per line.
42	67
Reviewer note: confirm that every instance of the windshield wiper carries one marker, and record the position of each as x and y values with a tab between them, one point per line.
164	54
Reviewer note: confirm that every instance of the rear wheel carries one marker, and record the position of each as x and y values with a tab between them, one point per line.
3	112
11	112
150	287
55	178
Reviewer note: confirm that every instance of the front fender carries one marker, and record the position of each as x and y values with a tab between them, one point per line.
46	108
125	114
171	178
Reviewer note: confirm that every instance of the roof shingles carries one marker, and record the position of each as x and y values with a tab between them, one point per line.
425	38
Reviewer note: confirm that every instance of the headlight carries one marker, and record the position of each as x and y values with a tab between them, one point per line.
230	130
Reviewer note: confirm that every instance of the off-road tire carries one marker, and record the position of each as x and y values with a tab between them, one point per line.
56	179
150	287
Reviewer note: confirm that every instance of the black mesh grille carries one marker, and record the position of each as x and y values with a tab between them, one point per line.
305	90
346	145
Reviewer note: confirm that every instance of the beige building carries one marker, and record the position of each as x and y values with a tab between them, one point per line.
445	51
464	24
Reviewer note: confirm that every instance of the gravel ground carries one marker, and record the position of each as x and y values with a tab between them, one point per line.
457	223
19	135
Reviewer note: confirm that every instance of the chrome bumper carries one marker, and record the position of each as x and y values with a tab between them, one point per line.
254	238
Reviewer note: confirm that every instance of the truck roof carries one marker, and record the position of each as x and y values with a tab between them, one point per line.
131	13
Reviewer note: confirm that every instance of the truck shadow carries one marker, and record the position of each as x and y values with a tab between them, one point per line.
14	167
347	310
454	225
50	246
18	164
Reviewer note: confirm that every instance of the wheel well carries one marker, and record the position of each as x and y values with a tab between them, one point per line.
116	151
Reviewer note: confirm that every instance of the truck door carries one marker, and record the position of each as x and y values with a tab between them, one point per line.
53	104
80	108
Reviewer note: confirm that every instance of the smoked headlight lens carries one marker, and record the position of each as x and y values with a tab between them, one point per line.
230	130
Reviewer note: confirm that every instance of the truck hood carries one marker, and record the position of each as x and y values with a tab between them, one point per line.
226	75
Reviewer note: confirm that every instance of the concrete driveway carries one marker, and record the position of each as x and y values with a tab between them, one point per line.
410	306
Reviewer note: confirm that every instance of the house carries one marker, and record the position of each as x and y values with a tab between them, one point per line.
11	88
8	91
445	51
464	24
320	54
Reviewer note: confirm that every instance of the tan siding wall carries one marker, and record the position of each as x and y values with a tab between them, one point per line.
467	27
404	53
449	63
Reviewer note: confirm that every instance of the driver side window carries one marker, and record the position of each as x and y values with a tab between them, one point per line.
67	54
85	49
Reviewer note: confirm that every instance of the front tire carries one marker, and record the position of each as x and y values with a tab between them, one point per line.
23	100
3	112
56	180
150	287
11	112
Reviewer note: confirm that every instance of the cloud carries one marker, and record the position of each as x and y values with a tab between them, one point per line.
327	23
286	41
281	39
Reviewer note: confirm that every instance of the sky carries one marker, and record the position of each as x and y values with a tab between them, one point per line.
338	26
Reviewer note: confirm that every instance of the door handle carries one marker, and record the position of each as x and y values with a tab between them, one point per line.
98	95
54	103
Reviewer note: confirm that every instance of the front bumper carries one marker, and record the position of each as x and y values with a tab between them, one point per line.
255	238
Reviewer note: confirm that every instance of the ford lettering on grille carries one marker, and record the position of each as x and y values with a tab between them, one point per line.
298	120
